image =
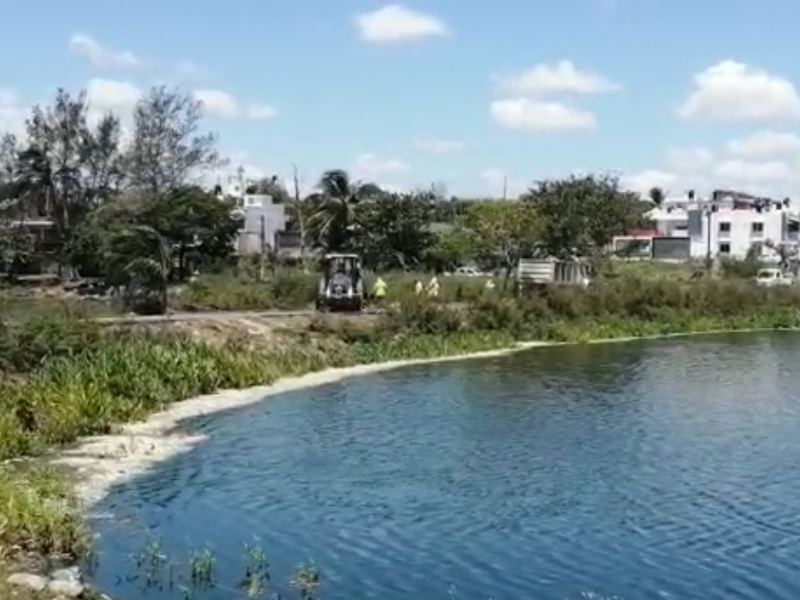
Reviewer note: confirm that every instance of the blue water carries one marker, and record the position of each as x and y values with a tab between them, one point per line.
641	470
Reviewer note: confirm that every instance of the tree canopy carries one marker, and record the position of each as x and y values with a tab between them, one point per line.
132	208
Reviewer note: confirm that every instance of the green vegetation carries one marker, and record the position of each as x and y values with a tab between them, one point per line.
66	378
130	216
153	568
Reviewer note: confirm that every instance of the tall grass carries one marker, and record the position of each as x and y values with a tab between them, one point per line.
616	308
61	377
293	289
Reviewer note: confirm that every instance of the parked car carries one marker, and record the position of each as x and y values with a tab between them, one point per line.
773	277
468	272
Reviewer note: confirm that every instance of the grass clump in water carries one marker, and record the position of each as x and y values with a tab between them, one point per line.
154	569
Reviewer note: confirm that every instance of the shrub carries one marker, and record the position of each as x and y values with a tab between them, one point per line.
39	511
421	316
223	292
284	289
32	341
293	289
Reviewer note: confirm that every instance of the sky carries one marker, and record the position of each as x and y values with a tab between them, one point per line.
682	95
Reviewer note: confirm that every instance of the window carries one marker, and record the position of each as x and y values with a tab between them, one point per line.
756	249
725	248
757	229
724	228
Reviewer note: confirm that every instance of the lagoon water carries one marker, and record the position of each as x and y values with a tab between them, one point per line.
667	469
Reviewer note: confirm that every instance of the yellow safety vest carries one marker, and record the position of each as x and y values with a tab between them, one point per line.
380	288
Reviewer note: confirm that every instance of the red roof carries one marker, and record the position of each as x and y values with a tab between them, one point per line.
642	233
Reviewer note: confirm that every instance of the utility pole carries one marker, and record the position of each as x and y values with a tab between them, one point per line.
505	187
300	216
240	176
263	238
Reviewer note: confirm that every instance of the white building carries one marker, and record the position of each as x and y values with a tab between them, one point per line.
727	224
263	218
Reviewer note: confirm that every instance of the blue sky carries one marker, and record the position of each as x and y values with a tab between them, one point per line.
680	94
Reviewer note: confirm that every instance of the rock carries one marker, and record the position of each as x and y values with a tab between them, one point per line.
68	574
37	583
69	589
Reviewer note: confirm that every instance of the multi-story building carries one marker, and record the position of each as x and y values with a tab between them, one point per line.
728	223
264	219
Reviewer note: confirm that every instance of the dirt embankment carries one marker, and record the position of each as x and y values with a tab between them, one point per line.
258	331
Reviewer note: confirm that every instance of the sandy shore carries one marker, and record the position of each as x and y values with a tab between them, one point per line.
102	462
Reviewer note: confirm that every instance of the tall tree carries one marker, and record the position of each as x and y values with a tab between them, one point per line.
503	230
452	249
581	215
168	149
300	212
337	198
271	186
10	206
394	229
103	169
657	196
51	166
199	227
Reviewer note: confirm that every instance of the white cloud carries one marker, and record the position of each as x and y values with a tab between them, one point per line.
394	23
217	103
709	171
110	94
439	147
765	144
370	166
561	77
534	116
688	160
753	173
735	92
256	167
261	112
102	56
644	181
496	182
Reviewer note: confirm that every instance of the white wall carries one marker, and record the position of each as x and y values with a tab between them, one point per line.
732	232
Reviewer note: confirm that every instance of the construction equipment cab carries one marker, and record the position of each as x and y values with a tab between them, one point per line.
341	286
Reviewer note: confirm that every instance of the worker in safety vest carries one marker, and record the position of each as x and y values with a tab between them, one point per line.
379	289
433	287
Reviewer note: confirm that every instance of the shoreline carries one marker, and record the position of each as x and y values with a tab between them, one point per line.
102	462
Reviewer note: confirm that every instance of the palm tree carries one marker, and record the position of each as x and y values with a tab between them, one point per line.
144	259
335	220
657	196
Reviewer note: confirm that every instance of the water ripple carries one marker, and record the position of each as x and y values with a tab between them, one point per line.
649	470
